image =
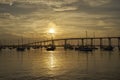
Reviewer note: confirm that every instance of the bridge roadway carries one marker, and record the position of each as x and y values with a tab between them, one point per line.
39	43
65	39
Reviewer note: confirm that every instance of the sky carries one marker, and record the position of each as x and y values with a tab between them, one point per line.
69	18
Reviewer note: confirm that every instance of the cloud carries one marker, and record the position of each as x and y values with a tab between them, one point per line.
6	2
70	16
66	9
95	3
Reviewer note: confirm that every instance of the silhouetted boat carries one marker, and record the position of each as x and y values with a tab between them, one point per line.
85	48
14	47
93	47
28	48
20	49
70	47
10	48
36	47
108	48
77	47
51	48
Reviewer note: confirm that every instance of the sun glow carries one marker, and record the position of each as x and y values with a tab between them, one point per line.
52	31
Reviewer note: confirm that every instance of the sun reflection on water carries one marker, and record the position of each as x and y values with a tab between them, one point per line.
52	60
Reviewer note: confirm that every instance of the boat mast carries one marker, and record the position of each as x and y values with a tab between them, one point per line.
22	40
94	38
52	38
86	37
18	43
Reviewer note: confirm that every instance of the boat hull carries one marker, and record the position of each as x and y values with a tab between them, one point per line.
20	49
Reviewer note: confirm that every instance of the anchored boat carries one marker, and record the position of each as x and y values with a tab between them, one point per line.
108	48
51	48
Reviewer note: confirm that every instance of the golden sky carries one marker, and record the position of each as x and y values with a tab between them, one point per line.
69	18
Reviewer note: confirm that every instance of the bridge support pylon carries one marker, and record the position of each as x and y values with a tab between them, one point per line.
91	42
82	40
101	43
65	44
109	40
119	43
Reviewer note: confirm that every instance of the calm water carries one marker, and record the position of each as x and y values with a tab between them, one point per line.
59	65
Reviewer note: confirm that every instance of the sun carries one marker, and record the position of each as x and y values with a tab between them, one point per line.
52	30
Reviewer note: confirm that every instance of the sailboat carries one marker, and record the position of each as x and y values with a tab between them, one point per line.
93	46
86	47
77	46
108	48
10	47
51	48
20	47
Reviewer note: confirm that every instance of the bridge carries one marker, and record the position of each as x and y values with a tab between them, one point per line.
89	41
